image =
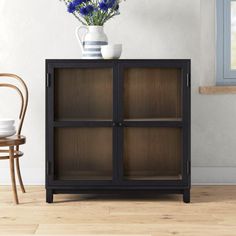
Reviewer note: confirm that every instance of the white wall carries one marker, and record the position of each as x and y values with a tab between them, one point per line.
31	31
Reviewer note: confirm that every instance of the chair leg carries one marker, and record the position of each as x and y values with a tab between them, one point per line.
19	175
12	171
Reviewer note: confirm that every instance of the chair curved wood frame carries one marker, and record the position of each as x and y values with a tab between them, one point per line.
14	150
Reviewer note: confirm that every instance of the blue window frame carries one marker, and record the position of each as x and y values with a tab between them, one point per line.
226	42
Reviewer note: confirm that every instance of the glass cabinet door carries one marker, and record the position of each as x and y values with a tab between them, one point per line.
152	123
83	132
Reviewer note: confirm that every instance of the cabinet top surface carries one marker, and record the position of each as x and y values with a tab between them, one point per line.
137	62
119	60
74	63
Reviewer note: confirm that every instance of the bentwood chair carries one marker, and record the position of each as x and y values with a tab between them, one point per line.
12	153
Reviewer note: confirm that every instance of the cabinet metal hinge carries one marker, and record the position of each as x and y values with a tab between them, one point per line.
48	168
48	80
188	80
188	168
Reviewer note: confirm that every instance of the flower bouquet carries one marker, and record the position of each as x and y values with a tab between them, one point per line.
92	14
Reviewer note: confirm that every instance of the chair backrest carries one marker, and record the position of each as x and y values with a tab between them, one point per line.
22	91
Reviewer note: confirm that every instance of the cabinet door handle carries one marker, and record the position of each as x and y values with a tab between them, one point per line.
120	124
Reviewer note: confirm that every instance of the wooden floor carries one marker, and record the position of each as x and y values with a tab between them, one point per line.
212	212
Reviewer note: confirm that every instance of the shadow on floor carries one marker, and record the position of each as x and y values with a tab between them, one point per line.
117	197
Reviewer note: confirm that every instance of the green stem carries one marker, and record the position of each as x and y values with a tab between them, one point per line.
103	17
78	18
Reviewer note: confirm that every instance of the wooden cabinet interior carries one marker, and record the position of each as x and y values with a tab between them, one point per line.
152	153
83	153
84	94
152	93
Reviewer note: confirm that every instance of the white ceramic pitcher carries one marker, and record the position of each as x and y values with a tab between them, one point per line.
91	38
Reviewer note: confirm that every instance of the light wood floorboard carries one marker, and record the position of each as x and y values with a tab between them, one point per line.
212	212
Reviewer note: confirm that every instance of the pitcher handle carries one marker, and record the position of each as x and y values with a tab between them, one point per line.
80	36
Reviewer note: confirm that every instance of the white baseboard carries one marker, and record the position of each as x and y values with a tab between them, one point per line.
30	176
214	175
200	176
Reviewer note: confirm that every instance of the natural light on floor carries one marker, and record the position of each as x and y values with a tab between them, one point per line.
233	39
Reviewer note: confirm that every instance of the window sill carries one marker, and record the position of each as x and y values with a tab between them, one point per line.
208	90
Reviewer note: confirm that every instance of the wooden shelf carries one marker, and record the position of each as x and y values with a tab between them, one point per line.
82	120
84	175
176	177
217	90
156	119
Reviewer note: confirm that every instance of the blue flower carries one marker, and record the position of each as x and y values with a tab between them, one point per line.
83	11
106	4
78	2
103	6
86	10
89	8
110	3
71	8
72	5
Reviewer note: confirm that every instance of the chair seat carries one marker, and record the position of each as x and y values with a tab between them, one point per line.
14	140
4	154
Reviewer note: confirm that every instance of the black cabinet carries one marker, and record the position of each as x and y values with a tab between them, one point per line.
117	126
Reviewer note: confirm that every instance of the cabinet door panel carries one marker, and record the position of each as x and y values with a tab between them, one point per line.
83	153
152	153
152	93
83	94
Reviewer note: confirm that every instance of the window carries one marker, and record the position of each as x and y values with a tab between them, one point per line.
233	35
226	42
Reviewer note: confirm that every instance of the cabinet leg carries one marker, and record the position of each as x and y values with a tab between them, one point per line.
186	196
49	196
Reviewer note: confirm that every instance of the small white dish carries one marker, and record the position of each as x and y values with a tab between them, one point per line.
8	122
111	51
7	129
7	134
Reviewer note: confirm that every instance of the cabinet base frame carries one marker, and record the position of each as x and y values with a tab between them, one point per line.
143	192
